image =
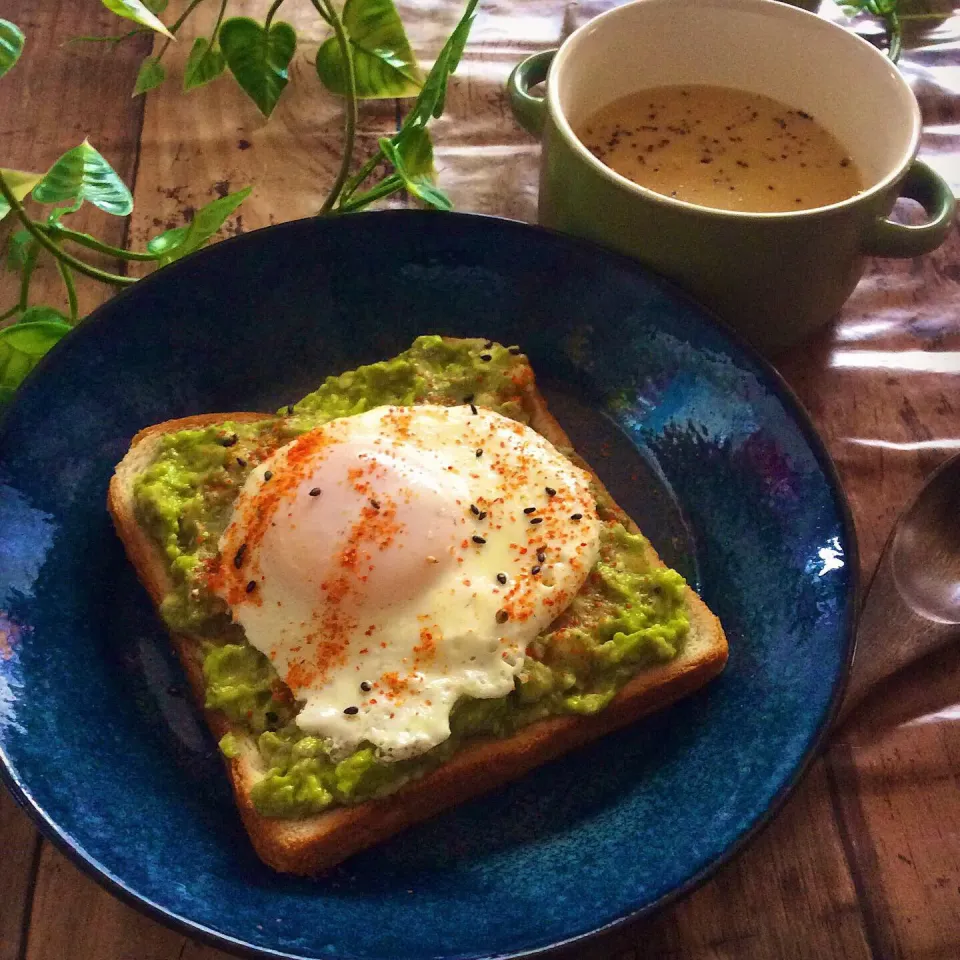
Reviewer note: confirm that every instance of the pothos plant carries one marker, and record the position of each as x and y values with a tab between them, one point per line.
367	56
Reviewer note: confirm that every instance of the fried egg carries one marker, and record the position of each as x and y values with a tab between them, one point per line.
392	562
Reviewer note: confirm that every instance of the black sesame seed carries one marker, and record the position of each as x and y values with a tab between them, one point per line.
514	351
229	441
351	711
535	570
479	540
375	504
474	509
541	556
473	409
482	515
315	492
488	345
468	398
365	687
537	520
241	462
502	616
289	408
485	357
576	516
501	578
251	586
529	509
479	452
238	556
550	491
268	475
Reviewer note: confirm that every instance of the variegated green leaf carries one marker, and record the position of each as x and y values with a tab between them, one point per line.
417	184
41	314
84	174
150	76
178	242
383	63
21	348
20	185
11	45
258	59
20	247
138	12
204	64
432	97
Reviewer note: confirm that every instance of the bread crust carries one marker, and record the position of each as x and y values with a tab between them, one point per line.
311	844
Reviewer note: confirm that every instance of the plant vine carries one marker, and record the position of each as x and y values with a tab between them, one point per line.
367	56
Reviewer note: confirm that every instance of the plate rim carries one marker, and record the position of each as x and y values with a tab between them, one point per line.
114	885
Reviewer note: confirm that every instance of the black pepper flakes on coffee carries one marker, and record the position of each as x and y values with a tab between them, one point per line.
710	146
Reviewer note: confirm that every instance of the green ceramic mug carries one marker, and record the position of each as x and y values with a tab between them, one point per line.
775	277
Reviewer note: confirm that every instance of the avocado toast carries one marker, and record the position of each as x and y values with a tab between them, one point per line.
633	639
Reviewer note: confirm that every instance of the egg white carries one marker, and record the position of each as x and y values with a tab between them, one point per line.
365	559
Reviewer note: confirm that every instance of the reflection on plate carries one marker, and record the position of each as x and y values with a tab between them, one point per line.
694	436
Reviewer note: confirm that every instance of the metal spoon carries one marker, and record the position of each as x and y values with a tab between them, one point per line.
913	605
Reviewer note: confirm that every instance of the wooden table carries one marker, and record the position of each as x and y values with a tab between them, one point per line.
864	860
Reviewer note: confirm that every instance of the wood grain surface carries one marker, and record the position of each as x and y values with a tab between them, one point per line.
864	859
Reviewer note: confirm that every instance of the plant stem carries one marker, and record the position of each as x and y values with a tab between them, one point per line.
116	41
391	184
357	179
95	273
216	27
84	240
67	277
25	275
350	120
323	13
271	13
177	24
9	313
889	15
895	33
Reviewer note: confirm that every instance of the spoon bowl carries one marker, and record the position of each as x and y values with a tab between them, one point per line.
925	551
913	605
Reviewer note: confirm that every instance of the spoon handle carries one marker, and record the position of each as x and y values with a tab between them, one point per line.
889	637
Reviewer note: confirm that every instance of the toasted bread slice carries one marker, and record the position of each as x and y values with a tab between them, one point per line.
312	844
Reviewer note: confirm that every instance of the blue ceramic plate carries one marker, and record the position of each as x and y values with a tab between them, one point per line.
694	435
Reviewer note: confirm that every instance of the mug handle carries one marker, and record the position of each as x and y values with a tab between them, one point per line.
933	193
530	111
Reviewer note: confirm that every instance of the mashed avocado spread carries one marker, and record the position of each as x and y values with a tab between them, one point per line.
627	615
